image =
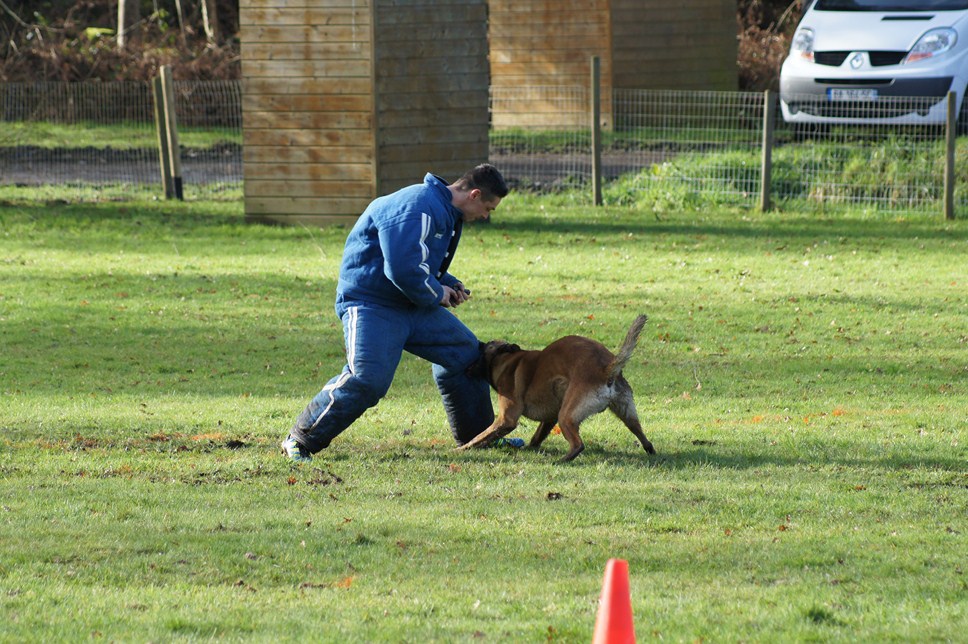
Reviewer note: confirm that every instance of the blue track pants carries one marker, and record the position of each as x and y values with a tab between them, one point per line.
376	337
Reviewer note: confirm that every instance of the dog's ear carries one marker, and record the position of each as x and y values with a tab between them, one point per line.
509	348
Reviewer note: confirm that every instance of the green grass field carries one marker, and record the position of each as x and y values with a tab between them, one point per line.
803	379
120	136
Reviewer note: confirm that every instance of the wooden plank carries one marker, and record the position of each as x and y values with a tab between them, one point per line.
290	137
305	138
574	69
345	221
306	51
317	189
399	175
679	79
440	16
558	30
699	18
305	34
245	5
648	7
315	86
458	6
413	172
286	155
315	206
317	103
306	68
660	38
502	7
289	15
564	56
428	66
442	34
467	47
669	61
335	170
434	84
539	43
309	120
452	134
426	102
422	119
428	153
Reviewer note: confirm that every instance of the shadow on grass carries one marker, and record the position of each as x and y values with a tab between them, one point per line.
698	457
760	228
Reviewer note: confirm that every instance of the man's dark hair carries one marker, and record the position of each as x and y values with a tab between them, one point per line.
487	179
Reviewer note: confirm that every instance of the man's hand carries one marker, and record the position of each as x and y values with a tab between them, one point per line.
455	296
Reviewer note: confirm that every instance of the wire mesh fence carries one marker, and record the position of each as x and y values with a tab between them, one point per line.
76	133
705	144
210	131
100	140
540	137
861	157
665	149
672	149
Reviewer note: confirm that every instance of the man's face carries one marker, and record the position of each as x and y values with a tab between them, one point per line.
476	208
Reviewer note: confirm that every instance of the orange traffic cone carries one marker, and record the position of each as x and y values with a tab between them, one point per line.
614	622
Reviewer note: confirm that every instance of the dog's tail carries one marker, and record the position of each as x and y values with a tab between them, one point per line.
625	351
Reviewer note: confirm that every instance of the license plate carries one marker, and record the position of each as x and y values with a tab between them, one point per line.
851	94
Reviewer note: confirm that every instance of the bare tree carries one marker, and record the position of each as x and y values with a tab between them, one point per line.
210	22
129	14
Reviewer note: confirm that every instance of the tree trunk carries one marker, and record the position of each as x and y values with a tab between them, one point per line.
181	19
210	22
129	14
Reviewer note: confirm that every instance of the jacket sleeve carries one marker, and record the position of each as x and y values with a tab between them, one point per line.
407	261
449	280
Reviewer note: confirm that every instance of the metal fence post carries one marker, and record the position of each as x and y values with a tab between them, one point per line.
161	125
949	160
596	110
766	163
174	152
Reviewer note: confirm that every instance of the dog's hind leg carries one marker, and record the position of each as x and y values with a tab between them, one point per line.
623	406
569	429
578	404
544	428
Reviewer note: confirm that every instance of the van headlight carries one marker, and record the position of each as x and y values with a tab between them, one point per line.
803	43
933	43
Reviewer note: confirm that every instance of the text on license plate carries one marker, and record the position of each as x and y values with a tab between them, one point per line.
834	94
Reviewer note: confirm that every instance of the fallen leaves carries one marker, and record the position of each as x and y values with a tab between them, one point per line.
344	584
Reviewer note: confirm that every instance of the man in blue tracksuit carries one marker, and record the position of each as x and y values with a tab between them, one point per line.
392	296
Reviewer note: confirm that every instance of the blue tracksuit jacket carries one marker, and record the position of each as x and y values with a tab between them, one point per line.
397	253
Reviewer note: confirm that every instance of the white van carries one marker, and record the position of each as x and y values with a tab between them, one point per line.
876	61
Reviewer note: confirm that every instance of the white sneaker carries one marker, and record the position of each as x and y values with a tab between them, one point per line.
295	452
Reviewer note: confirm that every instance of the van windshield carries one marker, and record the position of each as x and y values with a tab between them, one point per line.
891	5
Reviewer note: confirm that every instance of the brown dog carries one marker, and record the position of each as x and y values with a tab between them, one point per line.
571	379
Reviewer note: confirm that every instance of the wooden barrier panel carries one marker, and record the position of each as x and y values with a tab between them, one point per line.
343	103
